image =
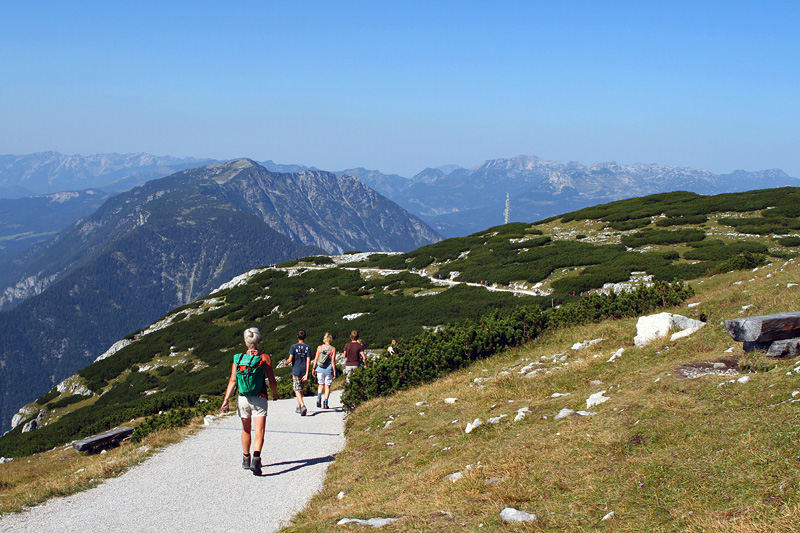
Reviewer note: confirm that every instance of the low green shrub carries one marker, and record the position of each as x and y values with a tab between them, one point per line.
427	356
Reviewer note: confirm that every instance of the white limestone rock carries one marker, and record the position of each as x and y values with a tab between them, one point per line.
510	514
596	399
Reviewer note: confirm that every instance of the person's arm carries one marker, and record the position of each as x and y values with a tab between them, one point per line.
316	359
291	358
333	361
308	365
364	357
273	384
229	390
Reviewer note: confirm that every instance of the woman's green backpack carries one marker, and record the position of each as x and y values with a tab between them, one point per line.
249	373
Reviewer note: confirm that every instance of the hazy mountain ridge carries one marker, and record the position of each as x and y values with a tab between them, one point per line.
48	172
466	200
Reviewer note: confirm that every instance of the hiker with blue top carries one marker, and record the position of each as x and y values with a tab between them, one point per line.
248	376
300	359
324	367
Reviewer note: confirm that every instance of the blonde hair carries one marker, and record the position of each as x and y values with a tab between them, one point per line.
252	337
327	338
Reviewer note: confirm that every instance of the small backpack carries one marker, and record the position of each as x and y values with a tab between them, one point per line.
324	359
249	374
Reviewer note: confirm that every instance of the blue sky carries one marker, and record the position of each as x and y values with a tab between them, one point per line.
400	86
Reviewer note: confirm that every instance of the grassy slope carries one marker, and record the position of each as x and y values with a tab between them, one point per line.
665	453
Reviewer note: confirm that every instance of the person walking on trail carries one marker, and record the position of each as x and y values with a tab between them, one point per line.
354	355
324	367
300	359
247	374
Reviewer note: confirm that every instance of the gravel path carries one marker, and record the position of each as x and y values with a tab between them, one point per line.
199	484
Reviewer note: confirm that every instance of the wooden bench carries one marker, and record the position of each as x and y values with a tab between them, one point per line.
108	439
778	335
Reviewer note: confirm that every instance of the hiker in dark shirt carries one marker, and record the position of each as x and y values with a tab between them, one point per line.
252	408
300	360
354	355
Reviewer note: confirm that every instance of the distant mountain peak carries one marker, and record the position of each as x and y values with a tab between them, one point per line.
225	171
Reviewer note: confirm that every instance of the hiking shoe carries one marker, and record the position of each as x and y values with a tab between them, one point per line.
298	410
325	404
319	402
303	411
255	466
246	462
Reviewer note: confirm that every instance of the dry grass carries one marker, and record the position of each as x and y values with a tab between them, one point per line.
665	453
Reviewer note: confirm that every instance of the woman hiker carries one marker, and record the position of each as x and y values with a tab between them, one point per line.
247	374
324	367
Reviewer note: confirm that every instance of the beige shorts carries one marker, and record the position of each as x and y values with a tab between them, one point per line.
250	406
297	383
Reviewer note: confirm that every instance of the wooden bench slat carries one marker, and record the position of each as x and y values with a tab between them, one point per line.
765	328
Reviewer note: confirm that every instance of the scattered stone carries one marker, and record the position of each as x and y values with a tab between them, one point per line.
420	404
723	367
4	460
455	476
564	413
743	379
342	494
585	344
374	522
693	305
559	394
616	354
481	380
595	383
387	424
472	425
585	413
450	400
521	413
390	443
514	515
209	419
497	419
609	516
596	399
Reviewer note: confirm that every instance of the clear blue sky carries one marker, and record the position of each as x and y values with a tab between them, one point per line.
400	86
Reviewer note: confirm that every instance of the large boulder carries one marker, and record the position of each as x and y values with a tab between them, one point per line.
652	327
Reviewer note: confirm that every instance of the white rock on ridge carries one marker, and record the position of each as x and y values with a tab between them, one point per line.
510	514
374	522
596	399
472	425
652	327
521	413
564	413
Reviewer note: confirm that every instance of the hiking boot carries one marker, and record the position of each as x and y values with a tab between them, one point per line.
319	402
246	462
325	404
255	466
303	411
298	410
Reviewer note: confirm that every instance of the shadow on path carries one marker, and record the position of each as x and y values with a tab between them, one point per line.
300	463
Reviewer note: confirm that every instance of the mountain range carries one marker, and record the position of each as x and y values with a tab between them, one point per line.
461	201
167	243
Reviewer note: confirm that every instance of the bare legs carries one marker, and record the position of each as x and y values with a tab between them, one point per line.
260	426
